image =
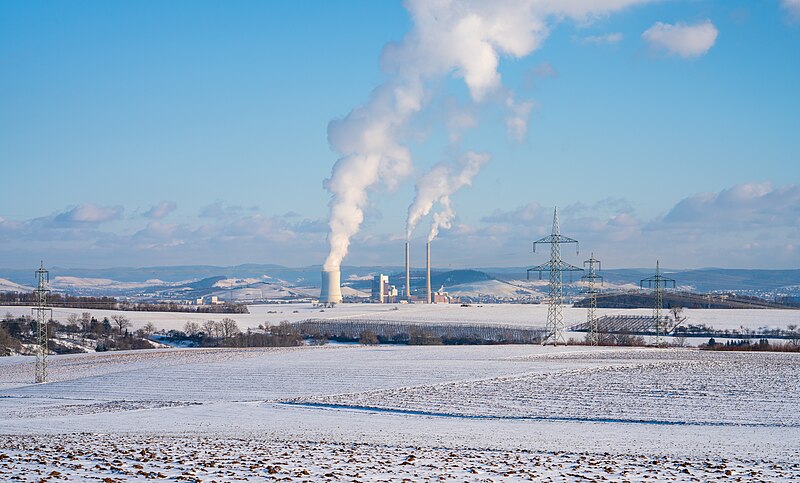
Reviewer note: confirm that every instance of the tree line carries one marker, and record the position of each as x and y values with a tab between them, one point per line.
80	332
226	333
110	303
761	345
412	333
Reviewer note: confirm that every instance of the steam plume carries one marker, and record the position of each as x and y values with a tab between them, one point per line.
437	185
442	218
462	38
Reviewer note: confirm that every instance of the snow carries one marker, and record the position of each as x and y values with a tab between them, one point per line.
67	283
228	283
463	413
9	286
497	288
142	458
527	315
275	291
673	387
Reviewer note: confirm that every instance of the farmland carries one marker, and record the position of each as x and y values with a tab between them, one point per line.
525	315
388	413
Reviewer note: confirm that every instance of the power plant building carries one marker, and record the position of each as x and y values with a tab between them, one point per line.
382	292
441	297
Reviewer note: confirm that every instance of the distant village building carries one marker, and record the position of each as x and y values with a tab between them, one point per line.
209	300
440	296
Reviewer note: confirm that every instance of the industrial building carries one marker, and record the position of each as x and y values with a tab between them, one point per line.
441	297
382	292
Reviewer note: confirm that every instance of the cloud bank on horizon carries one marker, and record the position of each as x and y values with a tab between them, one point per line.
741	226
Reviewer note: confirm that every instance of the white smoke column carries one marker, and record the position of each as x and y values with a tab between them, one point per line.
368	134
462	38
442	219
437	185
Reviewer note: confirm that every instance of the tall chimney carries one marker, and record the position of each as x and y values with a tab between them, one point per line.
428	267
408	275
331	292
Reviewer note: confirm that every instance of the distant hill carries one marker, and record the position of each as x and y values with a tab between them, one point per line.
197	280
9	286
457	277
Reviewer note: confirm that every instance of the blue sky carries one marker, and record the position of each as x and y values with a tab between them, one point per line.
148	133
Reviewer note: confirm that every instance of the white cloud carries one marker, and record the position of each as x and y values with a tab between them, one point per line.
748	225
517	120
586	9
681	39
754	224
90	213
219	209
544	70
458	118
792	7
611	38
746	205
161	210
532	212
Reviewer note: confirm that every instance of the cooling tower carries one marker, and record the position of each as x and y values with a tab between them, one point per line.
428	267
331	292
408	276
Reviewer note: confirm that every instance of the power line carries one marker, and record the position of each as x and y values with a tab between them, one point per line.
591	278
658	282
556	267
43	278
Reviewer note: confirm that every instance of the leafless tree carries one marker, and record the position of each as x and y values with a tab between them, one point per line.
7	343
210	328
86	322
121	321
191	328
794	334
229	327
148	329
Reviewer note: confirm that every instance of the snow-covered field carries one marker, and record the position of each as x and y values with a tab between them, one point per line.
491	413
501	314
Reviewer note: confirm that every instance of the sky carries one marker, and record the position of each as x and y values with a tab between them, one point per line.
300	132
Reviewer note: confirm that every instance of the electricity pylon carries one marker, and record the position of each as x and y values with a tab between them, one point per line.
658	283
591	266
556	267
43	316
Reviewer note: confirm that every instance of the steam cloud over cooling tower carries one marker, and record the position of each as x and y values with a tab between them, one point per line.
461	38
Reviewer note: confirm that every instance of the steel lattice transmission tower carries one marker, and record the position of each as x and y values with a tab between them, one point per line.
658	283
556	267
43	316
591	266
